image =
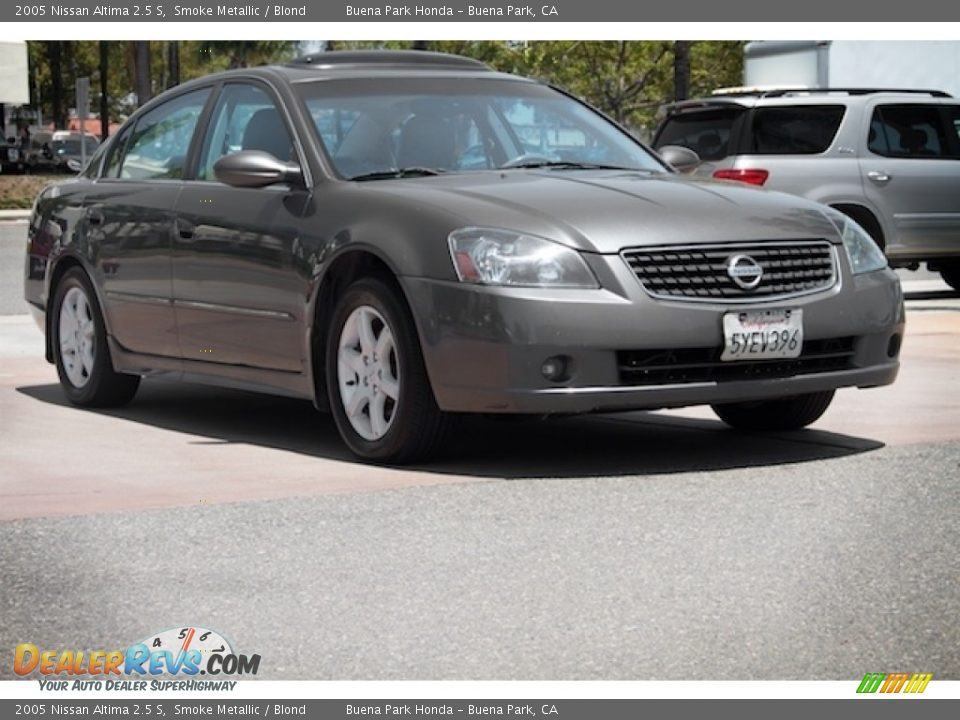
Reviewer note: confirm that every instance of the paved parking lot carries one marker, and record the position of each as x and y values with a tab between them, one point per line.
639	546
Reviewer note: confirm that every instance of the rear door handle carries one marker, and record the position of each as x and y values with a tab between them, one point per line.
879	177
185	229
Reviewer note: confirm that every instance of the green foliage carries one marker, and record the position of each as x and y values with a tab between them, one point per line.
628	80
82	59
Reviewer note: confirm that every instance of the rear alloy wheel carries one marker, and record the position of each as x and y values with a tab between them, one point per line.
380	395
790	413
80	347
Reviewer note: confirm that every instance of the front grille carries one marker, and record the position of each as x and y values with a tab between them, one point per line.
700	272
695	365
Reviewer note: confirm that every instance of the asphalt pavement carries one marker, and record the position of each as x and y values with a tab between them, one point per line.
639	546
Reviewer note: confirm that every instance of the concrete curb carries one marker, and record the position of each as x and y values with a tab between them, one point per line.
14	214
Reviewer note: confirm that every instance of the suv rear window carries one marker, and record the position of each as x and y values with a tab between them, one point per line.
912	131
706	132
796	130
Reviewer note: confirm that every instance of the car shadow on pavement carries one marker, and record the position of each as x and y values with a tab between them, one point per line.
635	443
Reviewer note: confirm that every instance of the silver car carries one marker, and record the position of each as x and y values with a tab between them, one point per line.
890	159
401	238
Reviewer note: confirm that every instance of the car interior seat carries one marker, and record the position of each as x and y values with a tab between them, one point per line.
426	141
266	132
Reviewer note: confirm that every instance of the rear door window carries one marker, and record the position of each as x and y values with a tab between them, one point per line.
160	142
914	131
796	130
706	132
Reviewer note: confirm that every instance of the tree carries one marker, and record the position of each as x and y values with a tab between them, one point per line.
104	52
681	70
173	63
142	77
56	75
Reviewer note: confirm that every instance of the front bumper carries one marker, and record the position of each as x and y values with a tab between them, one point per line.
484	347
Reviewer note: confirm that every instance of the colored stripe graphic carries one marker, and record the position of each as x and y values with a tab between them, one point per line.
894	682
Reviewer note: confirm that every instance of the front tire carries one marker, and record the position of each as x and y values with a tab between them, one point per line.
80	347
378	387
790	413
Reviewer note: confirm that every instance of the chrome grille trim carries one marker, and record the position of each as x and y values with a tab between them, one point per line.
697	273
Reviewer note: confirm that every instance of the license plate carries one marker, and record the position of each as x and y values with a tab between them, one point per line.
762	334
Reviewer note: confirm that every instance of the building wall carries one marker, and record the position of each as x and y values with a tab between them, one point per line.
931	65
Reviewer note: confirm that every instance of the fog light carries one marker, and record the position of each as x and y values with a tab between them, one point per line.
556	368
893	348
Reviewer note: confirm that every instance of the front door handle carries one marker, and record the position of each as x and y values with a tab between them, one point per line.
879	177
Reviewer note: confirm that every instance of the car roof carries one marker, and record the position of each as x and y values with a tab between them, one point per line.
355	64
802	96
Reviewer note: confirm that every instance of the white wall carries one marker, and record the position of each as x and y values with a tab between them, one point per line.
794	69
14	87
931	65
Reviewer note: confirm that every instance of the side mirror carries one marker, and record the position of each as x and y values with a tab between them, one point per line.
683	160
255	168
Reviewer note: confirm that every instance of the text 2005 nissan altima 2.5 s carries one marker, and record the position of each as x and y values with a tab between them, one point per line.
401	237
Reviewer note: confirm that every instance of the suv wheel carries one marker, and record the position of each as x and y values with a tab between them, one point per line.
379	392
80	347
786	414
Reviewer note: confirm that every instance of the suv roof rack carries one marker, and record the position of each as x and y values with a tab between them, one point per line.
781	92
407	58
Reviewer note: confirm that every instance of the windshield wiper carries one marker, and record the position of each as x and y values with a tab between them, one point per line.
561	164
397	173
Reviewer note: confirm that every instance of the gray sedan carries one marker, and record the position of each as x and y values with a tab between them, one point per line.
402	237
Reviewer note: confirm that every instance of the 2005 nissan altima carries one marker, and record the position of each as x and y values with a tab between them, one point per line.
400	237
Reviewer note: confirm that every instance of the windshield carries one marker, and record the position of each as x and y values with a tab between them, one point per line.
377	128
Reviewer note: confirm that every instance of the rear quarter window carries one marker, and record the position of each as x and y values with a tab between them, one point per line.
797	130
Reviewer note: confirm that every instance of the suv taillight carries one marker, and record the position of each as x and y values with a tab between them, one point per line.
751	176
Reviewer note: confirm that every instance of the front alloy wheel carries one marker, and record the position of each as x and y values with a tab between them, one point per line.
378	387
367	373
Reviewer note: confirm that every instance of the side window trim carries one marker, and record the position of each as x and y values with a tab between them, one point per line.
117	146
200	131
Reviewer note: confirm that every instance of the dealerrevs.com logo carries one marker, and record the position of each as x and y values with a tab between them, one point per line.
894	682
185	652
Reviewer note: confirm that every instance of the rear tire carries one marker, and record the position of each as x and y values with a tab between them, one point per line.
80	349
951	275
377	383
790	413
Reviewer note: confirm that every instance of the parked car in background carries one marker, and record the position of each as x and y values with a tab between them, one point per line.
889	159
67	151
38	155
371	231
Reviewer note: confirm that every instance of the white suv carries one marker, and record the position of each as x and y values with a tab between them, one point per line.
890	159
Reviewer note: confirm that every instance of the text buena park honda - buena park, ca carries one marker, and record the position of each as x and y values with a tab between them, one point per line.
161	11
516	11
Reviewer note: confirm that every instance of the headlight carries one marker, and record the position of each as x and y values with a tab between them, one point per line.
865	256
487	256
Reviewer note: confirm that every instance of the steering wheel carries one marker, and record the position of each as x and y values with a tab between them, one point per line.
527	158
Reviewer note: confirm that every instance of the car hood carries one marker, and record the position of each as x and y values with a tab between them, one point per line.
606	211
